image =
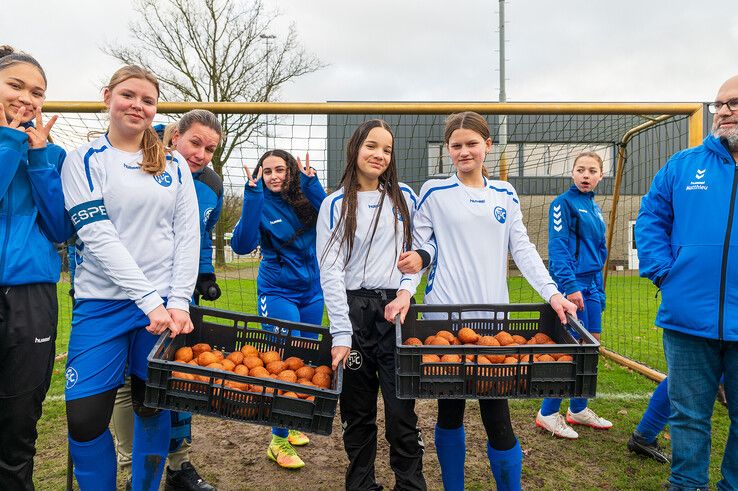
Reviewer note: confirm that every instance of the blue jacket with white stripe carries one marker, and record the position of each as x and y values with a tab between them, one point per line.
577	248
688	242
32	214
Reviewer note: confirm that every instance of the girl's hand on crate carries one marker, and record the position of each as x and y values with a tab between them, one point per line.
182	321
159	321
339	354
409	262
562	306
399	305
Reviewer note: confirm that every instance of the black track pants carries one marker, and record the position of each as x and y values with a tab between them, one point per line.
28	317
371	366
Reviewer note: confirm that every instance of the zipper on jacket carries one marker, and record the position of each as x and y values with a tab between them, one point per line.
6	239
726	250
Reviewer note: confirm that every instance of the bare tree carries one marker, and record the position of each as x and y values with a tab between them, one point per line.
215	50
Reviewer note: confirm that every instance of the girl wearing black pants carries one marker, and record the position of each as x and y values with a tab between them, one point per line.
363	230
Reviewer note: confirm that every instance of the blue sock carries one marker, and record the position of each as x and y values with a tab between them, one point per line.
94	462
451	451
656	415
577	404
281	432
550	406
150	450
507	467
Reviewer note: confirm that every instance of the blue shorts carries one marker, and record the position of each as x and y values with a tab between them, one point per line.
307	309
107	336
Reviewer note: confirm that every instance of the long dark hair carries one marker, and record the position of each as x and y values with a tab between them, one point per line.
291	191
388	185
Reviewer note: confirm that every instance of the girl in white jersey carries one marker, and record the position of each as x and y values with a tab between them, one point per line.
362	230
135	212
468	224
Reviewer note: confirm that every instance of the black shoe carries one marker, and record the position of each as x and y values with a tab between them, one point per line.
638	445
186	479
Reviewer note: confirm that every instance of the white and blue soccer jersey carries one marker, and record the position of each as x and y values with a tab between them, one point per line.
138	234
468	233
373	261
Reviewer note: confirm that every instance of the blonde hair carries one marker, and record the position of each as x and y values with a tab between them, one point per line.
468	120
590	154
166	137
154	154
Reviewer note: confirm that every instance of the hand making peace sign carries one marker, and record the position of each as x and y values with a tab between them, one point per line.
307	170
39	135
16	121
253	181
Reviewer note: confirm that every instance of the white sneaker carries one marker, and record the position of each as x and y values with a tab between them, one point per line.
588	417
556	425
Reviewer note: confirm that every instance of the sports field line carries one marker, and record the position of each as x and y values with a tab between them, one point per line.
612	396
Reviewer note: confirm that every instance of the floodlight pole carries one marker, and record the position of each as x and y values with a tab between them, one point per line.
503	97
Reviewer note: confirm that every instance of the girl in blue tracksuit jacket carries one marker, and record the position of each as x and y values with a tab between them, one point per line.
32	218
280	209
577	252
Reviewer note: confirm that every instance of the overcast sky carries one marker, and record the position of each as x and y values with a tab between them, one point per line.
433	50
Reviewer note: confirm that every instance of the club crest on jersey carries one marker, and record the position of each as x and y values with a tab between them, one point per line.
354	360
206	216
500	214
164	179
72	376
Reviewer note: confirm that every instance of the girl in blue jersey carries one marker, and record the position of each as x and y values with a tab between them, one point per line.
363	229
577	252
280	208
33	217
468	224
135	211
195	136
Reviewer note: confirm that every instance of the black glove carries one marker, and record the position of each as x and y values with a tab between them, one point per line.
206	287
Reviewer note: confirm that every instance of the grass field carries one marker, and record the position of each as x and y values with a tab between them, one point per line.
598	460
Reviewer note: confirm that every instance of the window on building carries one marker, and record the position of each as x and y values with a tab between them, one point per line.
556	159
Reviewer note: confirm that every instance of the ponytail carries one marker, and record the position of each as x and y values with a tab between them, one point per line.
154	155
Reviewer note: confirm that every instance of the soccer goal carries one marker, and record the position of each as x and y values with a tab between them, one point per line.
534	148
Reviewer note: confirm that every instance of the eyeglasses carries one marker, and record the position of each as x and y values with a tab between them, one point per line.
715	107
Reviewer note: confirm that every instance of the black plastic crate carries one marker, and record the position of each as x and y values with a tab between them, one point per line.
468	380
228	332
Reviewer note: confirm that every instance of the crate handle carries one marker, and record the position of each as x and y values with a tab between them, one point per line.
584	334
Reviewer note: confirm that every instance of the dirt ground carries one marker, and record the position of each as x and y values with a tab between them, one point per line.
232	455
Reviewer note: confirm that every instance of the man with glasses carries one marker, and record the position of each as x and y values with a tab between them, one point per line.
687	234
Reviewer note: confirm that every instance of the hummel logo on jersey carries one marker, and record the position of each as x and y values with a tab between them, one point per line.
132	167
557	218
164	179
477	201
274	222
699	183
500	214
373	206
42	340
583	211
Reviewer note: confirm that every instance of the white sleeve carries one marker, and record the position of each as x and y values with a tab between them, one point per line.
526	256
82	183
423	237
186	242
410	282
332	281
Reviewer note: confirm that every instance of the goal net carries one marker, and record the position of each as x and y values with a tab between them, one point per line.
534	148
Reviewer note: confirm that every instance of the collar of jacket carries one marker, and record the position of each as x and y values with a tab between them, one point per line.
574	189
719	146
